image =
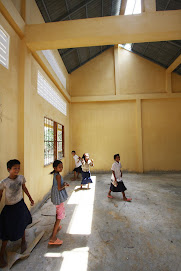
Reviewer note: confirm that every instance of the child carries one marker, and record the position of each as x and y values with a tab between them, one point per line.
15	216
86	163
58	196
117	184
78	165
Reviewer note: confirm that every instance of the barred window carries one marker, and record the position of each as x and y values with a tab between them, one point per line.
53	141
55	66
4	48
50	95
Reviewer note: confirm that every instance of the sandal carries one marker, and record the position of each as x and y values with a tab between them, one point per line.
109	196
57	242
128	199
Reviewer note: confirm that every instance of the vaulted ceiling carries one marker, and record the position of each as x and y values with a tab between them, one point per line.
162	53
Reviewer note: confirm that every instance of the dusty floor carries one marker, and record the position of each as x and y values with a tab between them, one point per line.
101	234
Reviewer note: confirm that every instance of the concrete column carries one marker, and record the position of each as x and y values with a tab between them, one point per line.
116	69
24	85
139	135
168	82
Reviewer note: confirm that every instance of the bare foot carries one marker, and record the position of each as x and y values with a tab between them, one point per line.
23	247
3	262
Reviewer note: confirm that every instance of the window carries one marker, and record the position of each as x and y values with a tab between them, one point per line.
4	48
53	63
50	95
53	141
132	7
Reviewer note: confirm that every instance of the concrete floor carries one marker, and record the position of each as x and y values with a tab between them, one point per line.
101	234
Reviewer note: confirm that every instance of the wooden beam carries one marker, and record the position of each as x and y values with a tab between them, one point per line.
145	27
129	97
116	69
174	65
13	17
46	70
139	135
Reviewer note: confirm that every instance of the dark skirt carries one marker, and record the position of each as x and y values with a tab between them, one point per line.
78	169
13	221
86	177
120	188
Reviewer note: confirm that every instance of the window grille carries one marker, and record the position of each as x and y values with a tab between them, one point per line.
50	95
4	48
53	63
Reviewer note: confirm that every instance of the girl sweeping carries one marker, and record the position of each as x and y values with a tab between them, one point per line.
117	184
58	196
86	163
15	216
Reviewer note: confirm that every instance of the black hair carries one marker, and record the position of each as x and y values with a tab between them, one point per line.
84	155
74	151
116	155
55	164
12	163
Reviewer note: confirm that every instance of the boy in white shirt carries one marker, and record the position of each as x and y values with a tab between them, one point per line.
78	165
117	184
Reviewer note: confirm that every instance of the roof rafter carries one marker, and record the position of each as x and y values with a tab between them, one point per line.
174	65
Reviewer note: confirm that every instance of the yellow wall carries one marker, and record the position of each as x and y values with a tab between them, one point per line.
96	77
9	102
107	127
103	130
161	134
17	4
22	113
39	180
138	75
176	82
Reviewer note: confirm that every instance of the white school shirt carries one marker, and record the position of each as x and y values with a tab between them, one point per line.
116	167
86	166
77	161
13	189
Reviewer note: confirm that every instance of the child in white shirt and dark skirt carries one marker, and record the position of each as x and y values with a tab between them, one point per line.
86	175
117	184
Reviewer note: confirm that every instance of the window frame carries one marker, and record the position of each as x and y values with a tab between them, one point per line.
55	141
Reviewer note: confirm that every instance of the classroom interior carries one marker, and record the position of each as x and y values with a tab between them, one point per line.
87	76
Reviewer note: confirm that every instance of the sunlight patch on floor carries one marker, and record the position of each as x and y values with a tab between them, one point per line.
76	259
81	221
